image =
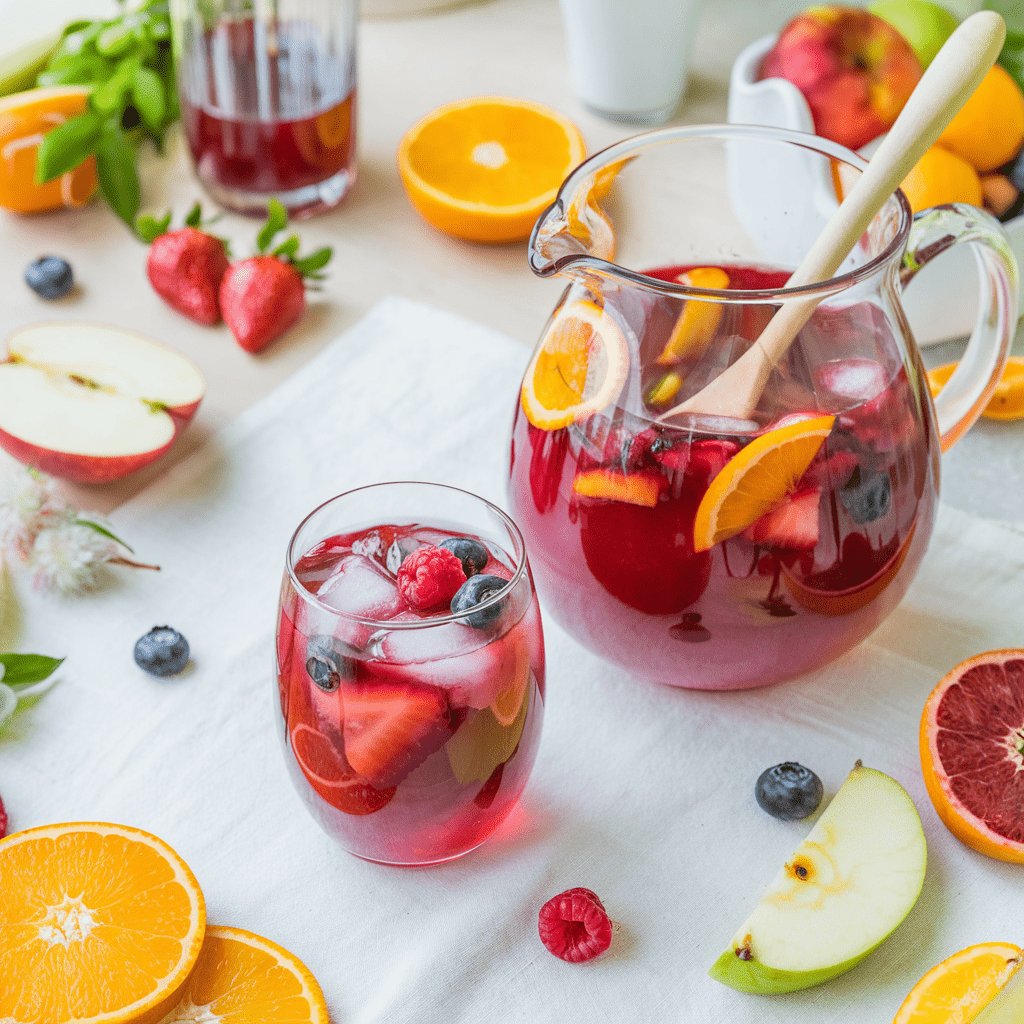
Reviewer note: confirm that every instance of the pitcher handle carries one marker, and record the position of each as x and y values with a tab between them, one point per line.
966	393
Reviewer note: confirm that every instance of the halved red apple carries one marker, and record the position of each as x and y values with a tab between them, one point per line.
91	403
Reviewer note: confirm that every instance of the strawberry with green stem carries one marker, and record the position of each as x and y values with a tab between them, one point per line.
185	267
261	297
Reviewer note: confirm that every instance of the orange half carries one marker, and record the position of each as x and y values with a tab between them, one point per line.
1007	401
756	479
578	369
98	923
485	168
959	987
241	978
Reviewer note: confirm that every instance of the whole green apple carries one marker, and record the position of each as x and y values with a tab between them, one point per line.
926	26
838	897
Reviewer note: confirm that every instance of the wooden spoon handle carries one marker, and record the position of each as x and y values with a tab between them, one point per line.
946	85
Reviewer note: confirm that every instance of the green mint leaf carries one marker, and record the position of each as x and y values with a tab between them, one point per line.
83	69
66	146
22	669
308	265
149	228
195	217
289	247
79	38
149	99
115	166
277	218
102	530
116	40
113	94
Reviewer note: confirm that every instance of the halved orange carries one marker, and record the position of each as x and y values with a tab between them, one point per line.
698	321
972	753
578	369
25	118
1007	401
756	479
959	987
99	923
241	978
485	168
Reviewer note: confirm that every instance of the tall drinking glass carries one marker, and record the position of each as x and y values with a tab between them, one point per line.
411	682
268	99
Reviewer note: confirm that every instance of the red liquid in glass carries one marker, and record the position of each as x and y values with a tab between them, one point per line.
476	695
625	579
267	125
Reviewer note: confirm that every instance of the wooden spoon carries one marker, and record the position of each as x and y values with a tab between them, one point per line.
945	87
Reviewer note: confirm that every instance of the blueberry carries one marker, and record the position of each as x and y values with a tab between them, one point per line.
788	791
1014	170
471	553
50	277
867	496
327	660
162	651
399	551
475	591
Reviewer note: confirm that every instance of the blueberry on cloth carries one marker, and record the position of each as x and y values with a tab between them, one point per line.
163	651
471	553
867	496
475	591
788	791
50	277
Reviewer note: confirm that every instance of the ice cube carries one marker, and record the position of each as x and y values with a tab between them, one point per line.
431	643
855	379
359	588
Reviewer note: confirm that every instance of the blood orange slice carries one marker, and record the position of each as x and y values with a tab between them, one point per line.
328	773
972	753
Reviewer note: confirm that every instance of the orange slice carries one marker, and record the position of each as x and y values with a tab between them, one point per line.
484	169
241	978
698	321
578	369
25	118
99	923
756	479
1007	401
972	753
959	987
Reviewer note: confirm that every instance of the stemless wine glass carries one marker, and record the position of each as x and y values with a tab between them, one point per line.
268	99
409	729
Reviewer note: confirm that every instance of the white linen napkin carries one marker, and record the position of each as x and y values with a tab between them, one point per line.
643	794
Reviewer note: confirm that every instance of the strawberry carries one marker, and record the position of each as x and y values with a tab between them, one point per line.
793	523
185	267
261	297
391	728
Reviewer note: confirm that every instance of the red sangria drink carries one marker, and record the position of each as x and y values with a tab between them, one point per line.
269	107
410	668
721	553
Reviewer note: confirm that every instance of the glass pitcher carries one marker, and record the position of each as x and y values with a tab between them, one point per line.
708	551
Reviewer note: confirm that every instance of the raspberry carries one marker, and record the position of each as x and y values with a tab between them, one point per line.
574	926
3	820
429	577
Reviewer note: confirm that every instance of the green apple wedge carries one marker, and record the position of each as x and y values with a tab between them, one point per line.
839	896
1008	1005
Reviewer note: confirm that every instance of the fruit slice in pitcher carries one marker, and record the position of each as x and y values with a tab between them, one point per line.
756	479
326	771
578	369
699	320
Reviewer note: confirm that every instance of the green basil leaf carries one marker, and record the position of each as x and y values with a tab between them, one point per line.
115	166
308	265
115	40
165	65
83	69
77	40
195	217
148	95
113	94
277	218
22	669
66	146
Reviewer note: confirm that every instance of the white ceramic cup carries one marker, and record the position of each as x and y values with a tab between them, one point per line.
629	59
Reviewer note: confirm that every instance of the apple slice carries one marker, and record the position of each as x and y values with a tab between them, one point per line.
844	890
91	403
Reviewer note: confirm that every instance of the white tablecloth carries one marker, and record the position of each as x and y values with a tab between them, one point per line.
642	794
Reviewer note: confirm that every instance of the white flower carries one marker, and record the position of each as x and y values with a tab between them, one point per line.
30	507
69	558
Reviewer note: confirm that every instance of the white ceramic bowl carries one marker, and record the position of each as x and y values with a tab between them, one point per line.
942	300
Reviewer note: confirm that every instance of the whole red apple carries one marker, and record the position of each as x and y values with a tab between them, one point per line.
854	69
